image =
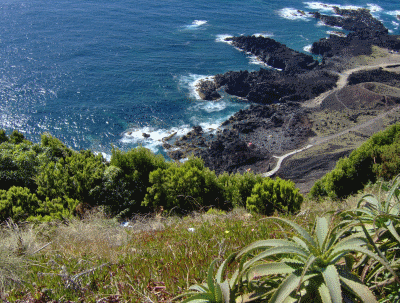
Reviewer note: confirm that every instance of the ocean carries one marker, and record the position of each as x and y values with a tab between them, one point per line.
98	74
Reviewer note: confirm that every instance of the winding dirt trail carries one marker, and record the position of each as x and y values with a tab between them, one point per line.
342	81
392	60
318	141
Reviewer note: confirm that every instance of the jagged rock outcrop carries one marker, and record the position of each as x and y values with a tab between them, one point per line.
248	138
274	54
269	86
365	31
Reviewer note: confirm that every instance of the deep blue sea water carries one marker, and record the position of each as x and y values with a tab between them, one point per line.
98	73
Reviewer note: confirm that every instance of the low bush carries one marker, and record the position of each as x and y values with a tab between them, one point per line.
274	195
188	186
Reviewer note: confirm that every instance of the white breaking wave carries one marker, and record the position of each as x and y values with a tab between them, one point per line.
373	8
191	82
330	7
294	14
154	141
320	6
209	107
336	33
320	23
265	35
307	48
255	60
196	24
222	37
393	13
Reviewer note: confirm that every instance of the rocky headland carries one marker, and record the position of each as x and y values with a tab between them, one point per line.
301	100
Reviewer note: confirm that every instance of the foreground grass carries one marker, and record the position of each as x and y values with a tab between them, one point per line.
152	260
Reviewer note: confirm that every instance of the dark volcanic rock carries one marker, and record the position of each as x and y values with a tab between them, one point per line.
207	90
365	32
274	54
353	20
249	137
377	75
268	86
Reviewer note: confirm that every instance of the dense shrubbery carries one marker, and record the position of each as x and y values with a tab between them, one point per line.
377	158
274	195
48	180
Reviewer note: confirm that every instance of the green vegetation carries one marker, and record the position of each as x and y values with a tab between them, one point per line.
377	158
331	257
46	181
343	259
69	245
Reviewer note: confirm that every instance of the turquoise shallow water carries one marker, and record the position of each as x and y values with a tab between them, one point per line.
99	73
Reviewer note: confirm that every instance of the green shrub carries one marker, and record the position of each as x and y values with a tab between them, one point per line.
188	186
16	137
378	157
3	136
237	187
19	164
135	167
74	177
56	149
274	195
18	203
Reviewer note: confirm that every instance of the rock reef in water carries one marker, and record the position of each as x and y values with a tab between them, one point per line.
274	54
365	31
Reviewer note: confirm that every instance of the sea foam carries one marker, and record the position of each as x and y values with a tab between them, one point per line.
191	81
223	37
196	24
294	14
265	35
154	141
373	8
307	48
330	7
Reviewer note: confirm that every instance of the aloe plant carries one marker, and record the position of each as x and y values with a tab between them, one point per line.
379	220
216	290
313	265
376	213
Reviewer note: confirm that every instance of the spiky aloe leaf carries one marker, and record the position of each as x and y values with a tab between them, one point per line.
356	287
331	278
222	268
210	277
200	298
270	269
301	231
372	200
293	249
393	190
218	296
308	264
322	230
263	244
288	286
393	231
338	253
324	293
300	242
199	288
226	291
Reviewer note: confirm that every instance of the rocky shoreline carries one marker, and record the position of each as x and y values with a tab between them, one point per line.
276	122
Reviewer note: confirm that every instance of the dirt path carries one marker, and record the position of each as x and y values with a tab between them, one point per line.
392	59
318	141
342	81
